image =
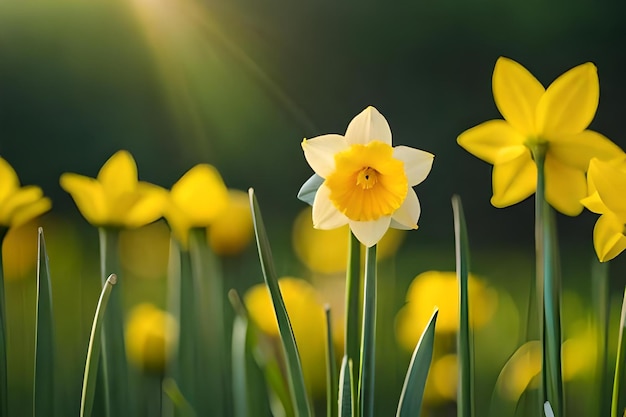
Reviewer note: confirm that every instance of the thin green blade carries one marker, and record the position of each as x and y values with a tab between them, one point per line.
3	346
619	396
332	387
600	319
239	357
354	307
93	351
44	386
294	367
548	409
410	403
366	391
346	389
465	393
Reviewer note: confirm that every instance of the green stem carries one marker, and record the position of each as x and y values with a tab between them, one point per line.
332	381
353	307
616	401
114	364
368	337
3	341
547	279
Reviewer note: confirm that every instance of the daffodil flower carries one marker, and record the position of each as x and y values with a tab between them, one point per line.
552	121
607	182
367	183
195	201
18	204
115	198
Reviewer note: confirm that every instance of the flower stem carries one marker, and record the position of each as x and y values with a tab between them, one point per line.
353	306
368	337
3	346
548	286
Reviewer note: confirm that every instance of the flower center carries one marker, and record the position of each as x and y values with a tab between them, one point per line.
368	182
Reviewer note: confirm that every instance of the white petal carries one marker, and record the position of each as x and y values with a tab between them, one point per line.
417	163
320	152
325	214
367	126
405	218
369	233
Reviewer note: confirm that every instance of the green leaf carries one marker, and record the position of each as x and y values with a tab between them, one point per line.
93	351
619	396
239	357
44	386
181	405
465	393
600	317
410	404
368	337
354	307
332	387
294	367
3	343
309	189
346	389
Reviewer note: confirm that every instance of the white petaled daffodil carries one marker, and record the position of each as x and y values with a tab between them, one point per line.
367	183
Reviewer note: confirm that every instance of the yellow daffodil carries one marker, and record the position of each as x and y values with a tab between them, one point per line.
18	204
367	182
232	229
115	198
307	320
196	200
607	182
151	335
552	121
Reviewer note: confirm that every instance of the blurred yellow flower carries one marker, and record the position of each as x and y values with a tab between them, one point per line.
606	184
115	198
520	370
196	200
19	251
440	289
367	182
144	251
307	320
151	335
232	229
18	204
552	120
326	251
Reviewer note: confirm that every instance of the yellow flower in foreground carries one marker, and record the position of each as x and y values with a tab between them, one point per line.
441	289
115	198
18	204
552	120
196	200
307	320
232	229
607	182
367	182
151	336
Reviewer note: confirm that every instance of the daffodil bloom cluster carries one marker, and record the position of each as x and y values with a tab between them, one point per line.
552	122
18	204
115	198
367	182
607	183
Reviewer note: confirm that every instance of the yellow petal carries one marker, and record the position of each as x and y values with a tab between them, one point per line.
516	93
367	126
487	140
179	224
610	183
608	238
514	181
200	194
9	181
20	198
565	187
118	175
88	196
148	206
233	230
594	203
30	211
576	150
570	102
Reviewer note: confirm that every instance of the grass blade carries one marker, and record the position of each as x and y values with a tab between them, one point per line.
346	389
332	386
93	351
354	307
44	387
239	357
410	403
465	393
294	367
368	337
180	403
547	409
4	398
619	396
600	320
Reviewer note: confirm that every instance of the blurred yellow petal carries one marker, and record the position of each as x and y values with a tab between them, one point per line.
8	180
30	211
118	175
201	194
19	251
576	150
147	206
608	237
610	183
20	198
487	140
519	371
516	93
565	186
570	102
88	196
232	230
514	181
